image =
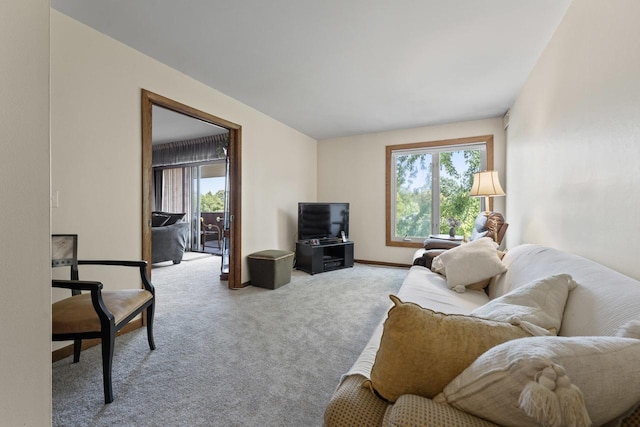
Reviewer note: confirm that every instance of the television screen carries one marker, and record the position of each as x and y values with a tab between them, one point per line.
322	220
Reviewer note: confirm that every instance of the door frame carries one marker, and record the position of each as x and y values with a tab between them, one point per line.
148	100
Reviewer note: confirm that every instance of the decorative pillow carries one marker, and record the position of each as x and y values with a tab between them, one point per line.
158	220
437	266
537	306
174	217
550	381
479	227
478	286
469	263
422	350
630	329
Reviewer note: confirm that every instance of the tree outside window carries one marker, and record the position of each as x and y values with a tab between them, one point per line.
210	202
430	184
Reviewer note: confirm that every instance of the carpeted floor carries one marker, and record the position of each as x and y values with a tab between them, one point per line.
249	357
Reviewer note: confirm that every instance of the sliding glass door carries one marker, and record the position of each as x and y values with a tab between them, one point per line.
200	191
209	206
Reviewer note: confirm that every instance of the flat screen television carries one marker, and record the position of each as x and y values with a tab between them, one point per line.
322	220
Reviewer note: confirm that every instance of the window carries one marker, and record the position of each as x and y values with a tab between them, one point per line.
429	182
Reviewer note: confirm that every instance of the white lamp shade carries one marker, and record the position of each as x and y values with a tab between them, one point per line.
486	184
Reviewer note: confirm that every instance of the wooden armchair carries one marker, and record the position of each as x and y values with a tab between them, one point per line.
96	313
209	230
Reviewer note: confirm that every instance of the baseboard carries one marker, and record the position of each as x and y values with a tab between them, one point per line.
385	264
68	350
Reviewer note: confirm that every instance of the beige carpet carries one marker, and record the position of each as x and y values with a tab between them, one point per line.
249	357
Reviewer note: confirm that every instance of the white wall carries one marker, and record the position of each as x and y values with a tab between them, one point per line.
25	265
574	139
352	169
96	147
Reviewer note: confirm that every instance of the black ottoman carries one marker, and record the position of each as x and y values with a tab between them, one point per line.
271	268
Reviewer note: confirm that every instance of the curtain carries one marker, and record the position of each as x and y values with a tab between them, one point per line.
176	190
177	194
156	194
197	150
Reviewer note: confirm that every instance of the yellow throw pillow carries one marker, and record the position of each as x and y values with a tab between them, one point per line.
422	350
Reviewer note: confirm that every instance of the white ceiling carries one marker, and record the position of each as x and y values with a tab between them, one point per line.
342	67
170	126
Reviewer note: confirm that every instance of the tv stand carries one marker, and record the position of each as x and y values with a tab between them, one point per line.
325	256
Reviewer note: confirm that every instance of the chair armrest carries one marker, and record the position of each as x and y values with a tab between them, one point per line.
78	285
502	232
120	263
142	266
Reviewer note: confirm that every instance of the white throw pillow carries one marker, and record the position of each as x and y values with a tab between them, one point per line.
537	307
469	263
631	329
553	379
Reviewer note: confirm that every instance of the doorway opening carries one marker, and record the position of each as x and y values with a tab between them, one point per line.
194	175
209	201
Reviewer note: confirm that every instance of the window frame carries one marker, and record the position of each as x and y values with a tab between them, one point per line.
390	183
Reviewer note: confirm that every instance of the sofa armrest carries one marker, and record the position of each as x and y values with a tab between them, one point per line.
353	405
412	410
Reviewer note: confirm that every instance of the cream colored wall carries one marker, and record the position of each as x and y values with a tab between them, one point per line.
25	266
352	169
96	143
574	139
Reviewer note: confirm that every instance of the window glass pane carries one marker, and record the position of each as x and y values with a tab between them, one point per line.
413	195
428	183
212	194
456	176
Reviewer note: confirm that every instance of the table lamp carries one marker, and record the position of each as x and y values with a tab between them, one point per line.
486	184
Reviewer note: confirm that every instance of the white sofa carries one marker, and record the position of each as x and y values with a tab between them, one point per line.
603	301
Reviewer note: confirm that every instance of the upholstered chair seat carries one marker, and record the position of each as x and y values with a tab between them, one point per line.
77	314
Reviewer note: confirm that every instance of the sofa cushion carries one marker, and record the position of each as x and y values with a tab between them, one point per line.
560	376
604	301
469	263
538	306
422	350
412	410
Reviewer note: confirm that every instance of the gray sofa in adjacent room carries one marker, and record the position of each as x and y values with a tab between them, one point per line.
168	241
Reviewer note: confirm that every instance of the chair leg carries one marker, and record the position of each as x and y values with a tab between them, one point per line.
77	347
108	342
150	310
